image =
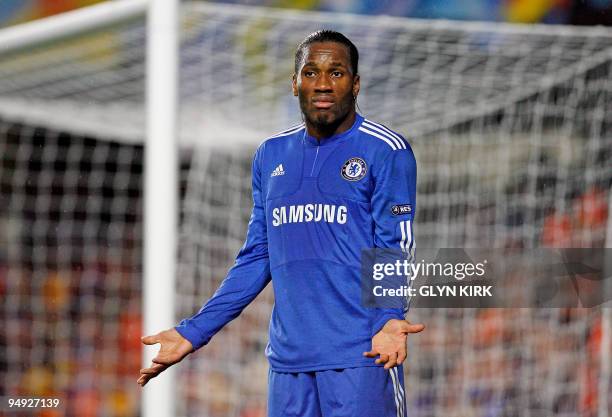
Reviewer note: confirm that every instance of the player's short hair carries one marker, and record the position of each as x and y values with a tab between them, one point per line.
327	35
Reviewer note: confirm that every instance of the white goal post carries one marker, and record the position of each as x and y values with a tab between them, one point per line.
511	126
161	176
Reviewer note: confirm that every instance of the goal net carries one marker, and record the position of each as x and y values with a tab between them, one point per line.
512	130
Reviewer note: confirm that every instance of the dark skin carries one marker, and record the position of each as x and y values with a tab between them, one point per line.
173	349
327	90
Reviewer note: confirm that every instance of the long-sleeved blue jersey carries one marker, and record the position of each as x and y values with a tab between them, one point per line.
316	206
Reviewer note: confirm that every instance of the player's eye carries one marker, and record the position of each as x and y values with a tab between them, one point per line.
337	73
309	74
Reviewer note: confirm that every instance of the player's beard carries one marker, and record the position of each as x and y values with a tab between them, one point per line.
327	121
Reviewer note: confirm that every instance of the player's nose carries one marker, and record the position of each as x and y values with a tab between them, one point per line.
323	84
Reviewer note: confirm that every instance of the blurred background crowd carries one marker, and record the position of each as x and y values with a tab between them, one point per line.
575	12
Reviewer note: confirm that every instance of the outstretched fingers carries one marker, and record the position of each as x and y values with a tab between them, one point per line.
382	359
144	378
392	361
401	356
414	328
155	369
150	340
163	360
370	354
147	373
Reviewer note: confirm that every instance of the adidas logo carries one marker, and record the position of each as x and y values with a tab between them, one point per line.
278	171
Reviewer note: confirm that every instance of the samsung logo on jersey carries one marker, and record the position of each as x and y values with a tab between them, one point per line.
303	213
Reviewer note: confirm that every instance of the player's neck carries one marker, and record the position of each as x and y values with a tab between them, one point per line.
322	132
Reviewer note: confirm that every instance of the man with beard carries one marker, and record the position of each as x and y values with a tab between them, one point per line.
323	191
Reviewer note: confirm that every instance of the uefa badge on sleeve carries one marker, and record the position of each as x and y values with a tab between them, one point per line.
399	209
354	169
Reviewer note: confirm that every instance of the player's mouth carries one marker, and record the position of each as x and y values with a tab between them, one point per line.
323	103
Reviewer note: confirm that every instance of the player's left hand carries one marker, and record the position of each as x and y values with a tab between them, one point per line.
390	342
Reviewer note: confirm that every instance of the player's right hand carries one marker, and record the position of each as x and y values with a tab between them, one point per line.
174	348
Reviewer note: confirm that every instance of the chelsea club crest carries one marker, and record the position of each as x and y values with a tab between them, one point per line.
354	169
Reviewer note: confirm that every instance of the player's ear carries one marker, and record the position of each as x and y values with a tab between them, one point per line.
356	85
294	85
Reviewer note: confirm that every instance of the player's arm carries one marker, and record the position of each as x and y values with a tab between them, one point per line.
247	278
393	209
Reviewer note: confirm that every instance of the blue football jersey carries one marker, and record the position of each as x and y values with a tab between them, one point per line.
316	206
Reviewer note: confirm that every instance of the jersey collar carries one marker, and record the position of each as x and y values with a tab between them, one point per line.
311	140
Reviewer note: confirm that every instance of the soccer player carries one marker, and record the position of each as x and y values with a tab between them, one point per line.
322	191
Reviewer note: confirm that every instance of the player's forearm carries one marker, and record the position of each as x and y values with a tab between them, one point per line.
242	284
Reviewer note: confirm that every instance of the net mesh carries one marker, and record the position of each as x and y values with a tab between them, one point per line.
512	130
